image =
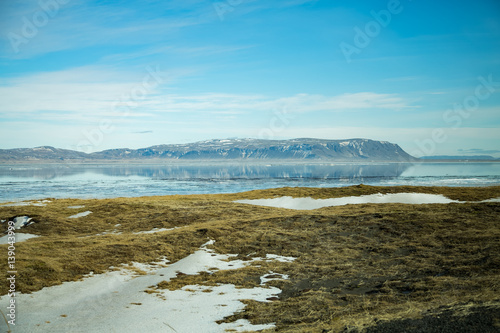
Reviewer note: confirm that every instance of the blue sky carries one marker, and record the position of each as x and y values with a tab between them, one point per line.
94	75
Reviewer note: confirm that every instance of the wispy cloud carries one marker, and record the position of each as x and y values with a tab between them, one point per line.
479	151
297	103
163	50
88	91
95	91
81	90
80	24
402	79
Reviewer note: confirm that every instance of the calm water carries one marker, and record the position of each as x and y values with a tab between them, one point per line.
25	182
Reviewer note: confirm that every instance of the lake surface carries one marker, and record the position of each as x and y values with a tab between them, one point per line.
37	181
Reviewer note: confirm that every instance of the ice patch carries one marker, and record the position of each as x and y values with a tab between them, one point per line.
310	203
20	237
117	302
80	215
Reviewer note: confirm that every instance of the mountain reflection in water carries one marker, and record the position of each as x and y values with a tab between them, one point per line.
197	171
37	181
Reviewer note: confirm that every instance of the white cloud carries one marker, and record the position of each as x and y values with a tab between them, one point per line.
362	100
199	51
97	91
402	79
87	91
297	103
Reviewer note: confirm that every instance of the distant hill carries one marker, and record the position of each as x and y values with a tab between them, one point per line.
230	149
463	158
41	153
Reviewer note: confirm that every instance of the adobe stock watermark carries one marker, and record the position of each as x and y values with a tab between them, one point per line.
280	120
227	6
455	117
121	109
12	274
31	24
363	37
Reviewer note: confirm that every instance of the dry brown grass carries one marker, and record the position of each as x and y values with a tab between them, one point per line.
356	265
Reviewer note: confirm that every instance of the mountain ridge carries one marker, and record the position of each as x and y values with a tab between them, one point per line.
461	157
228	149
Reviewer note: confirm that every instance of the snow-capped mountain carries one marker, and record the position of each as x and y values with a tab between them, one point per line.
241	149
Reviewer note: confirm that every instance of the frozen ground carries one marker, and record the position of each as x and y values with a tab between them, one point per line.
117	302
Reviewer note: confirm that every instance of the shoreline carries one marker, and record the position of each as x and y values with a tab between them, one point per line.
420	188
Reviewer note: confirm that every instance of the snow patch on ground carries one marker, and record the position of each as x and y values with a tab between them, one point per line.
117	302
492	200
39	203
113	232
21	222
76	207
194	308
279	258
82	214
272	277
155	230
310	203
20	237
116	232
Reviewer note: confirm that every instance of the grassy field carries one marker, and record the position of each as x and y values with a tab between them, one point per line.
358	268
